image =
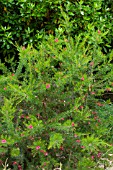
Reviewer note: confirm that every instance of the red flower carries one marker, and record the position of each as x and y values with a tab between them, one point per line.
99	31
13	74
81	107
92	157
37	147
19	167
22	116
45	164
78	141
99	154
99	120
99	104
27	117
56	40
82	78
15	163
61	148
73	124
82	147
75	135
92	63
47	86
3	141
92	92
46	154
42	151
30	127
96	117
94	113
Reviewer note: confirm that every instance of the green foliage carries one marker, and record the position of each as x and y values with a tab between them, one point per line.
85	163
105	113
48	105
24	22
55	140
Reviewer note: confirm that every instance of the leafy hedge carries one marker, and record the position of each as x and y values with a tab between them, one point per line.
24	22
49	113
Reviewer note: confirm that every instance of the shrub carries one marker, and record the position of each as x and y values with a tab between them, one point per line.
24	22
48	105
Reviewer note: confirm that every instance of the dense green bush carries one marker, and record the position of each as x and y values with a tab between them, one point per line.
49	115
51	111
24	22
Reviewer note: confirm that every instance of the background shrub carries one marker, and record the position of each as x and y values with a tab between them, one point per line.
24	22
